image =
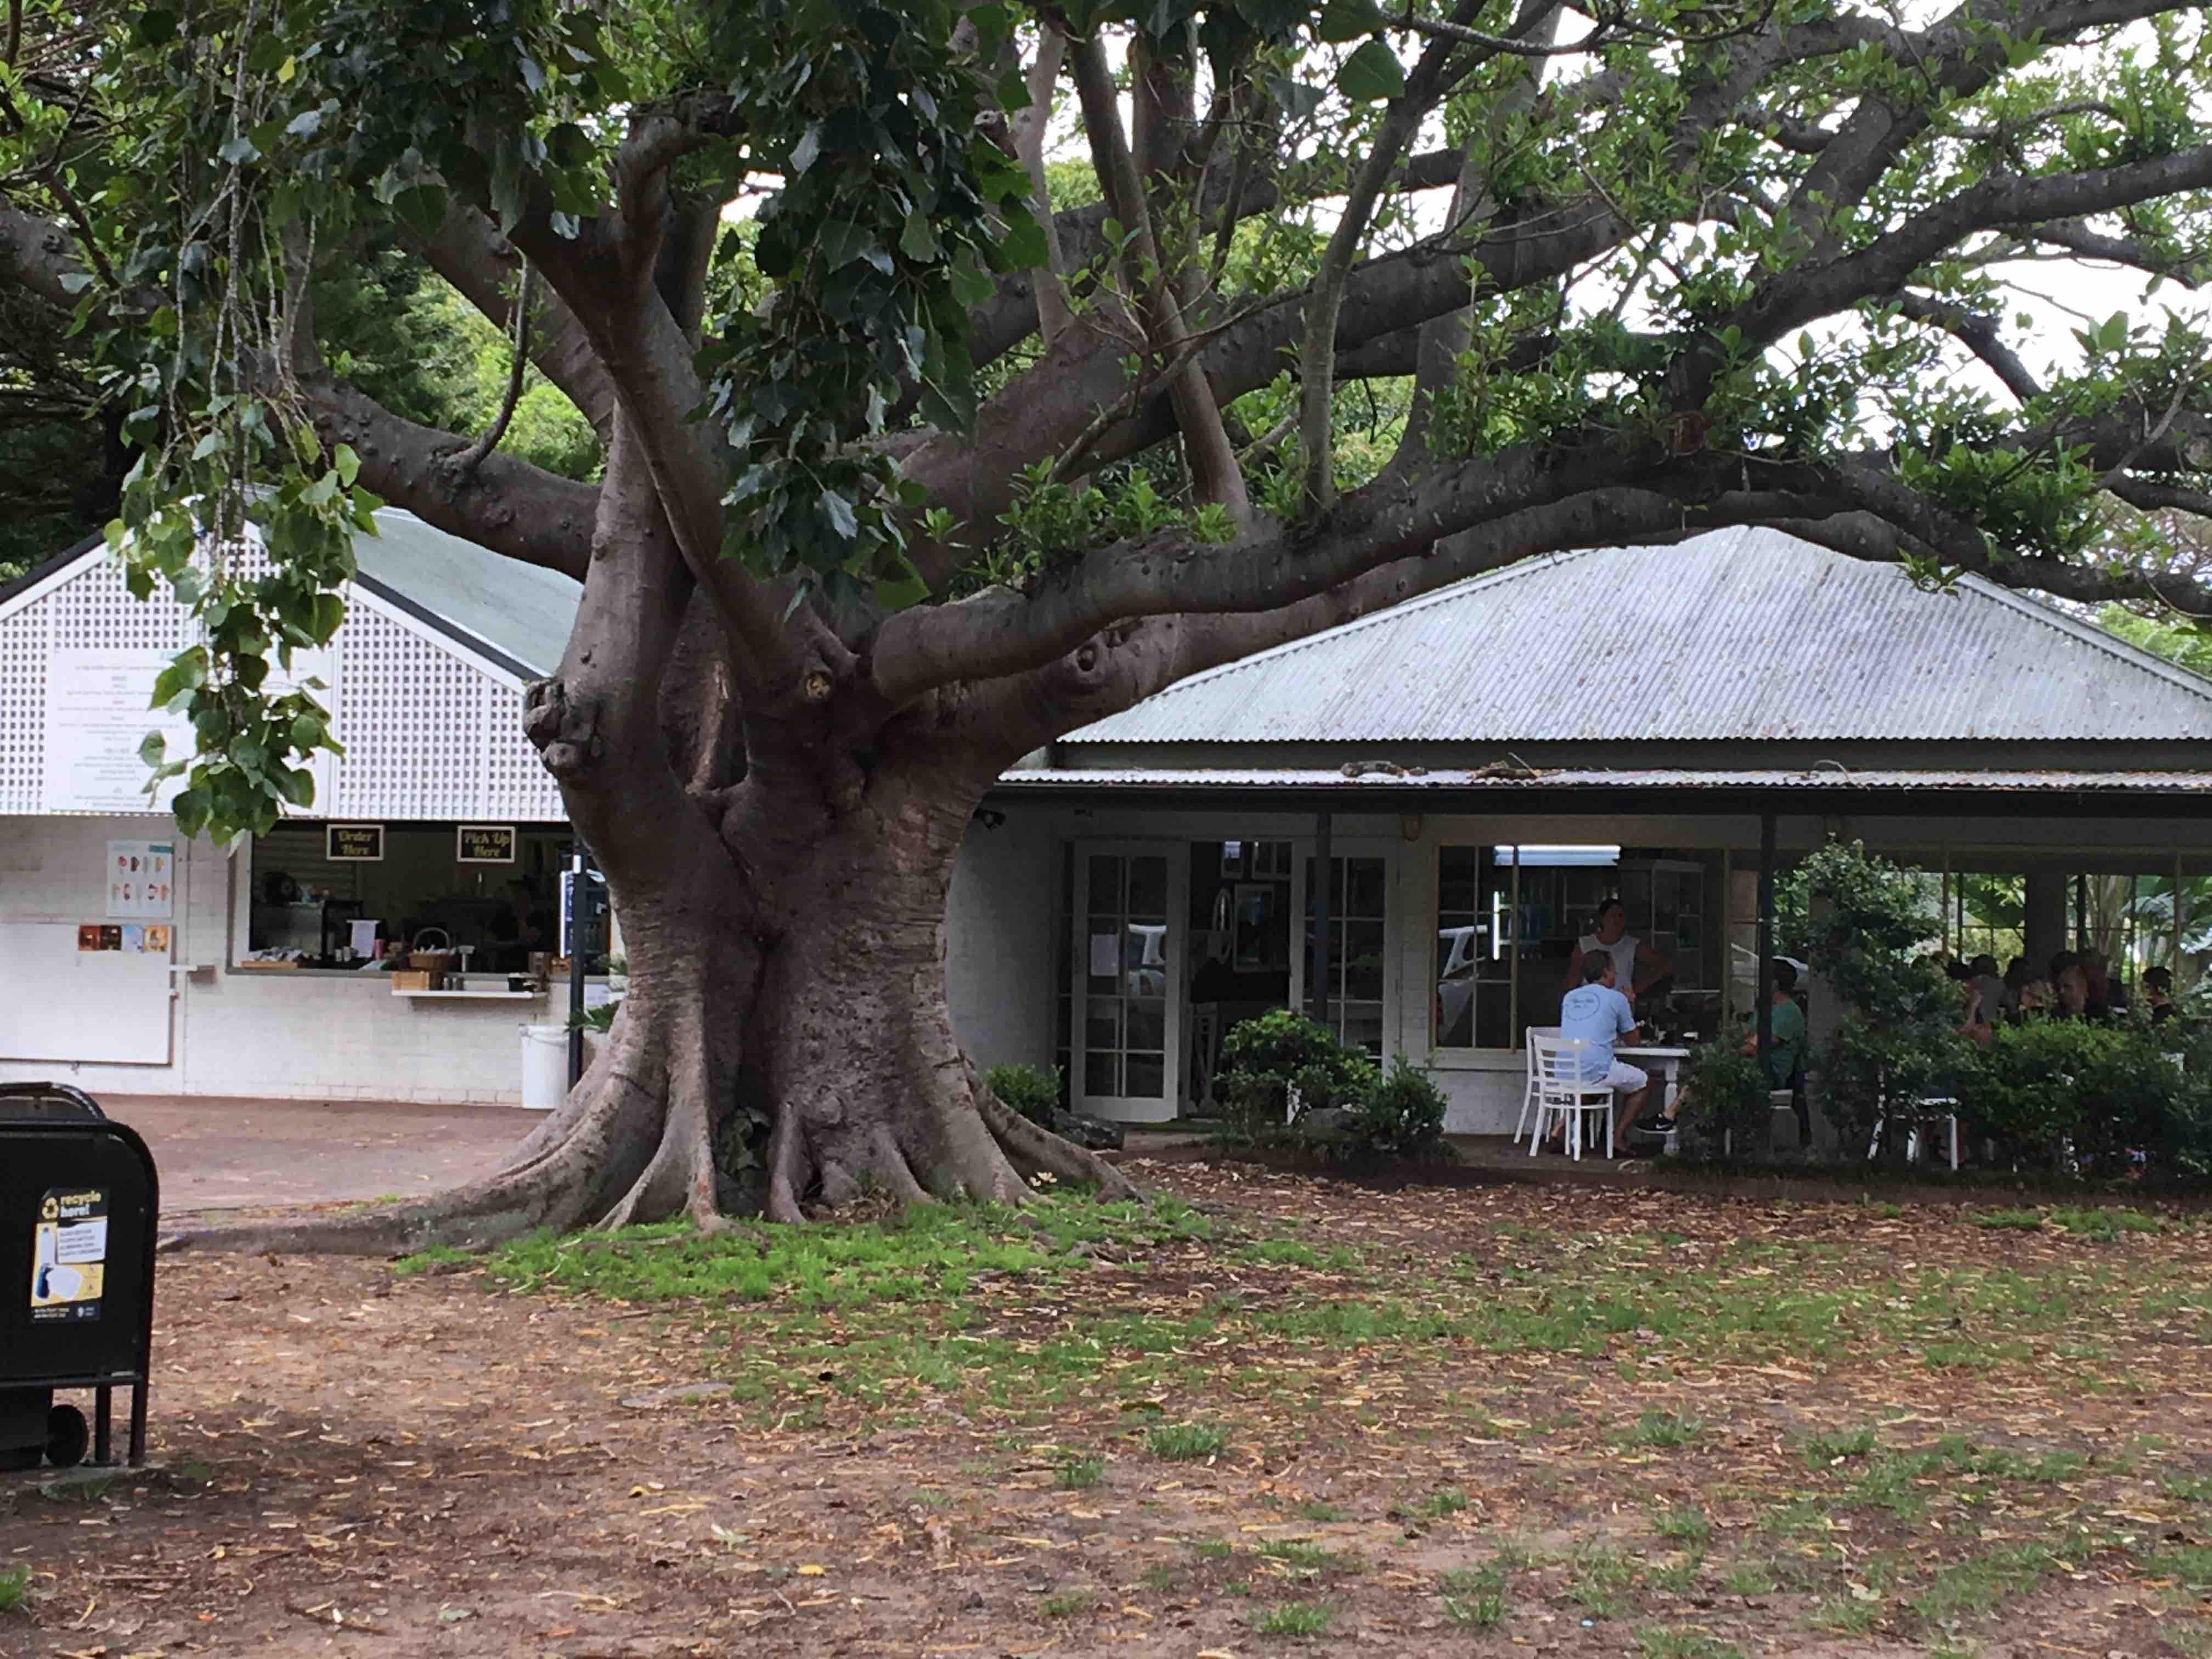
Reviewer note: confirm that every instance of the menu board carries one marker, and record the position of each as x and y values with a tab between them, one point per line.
484	843
141	879
98	712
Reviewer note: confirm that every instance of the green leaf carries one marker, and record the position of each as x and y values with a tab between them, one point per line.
1023	248
298	785
421	209
347	464
918	241
840	241
803	152
839	511
239	151
156	27
1347	19
330	611
153	748
1371	74
190	809
907	588
305	124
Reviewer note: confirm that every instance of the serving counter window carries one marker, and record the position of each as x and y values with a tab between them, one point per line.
360	910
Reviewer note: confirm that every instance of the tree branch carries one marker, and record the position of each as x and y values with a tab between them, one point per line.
1979	334
468	253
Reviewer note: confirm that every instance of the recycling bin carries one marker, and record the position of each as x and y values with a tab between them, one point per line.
79	1202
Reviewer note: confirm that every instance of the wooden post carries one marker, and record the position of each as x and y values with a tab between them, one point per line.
1762	996
1322	825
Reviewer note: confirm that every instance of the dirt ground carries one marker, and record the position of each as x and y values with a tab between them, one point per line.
347	1460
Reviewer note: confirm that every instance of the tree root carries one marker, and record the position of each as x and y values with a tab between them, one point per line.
1043	1152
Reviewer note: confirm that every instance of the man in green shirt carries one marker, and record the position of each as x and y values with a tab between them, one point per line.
1785	1025
1785	1041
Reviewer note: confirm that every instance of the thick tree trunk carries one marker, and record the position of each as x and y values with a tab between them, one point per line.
785	1046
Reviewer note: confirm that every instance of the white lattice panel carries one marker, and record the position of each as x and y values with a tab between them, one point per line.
517	786
94	611
412	716
24	646
428	733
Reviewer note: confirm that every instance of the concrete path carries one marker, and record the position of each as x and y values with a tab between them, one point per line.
218	1154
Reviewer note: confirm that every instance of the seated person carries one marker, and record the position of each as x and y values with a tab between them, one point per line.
2106	996
1785	1044
2072	987
1974	1024
2158	994
1996	998
1595	1012
2036	1000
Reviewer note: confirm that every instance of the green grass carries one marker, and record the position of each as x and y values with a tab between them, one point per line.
1444	1501
1080	1472
1903	1482
1158	1577
1684	1526
1597	1579
1660	1430
1297	1552
1749	1578
1677	1577
1064	1604
436	1255
1214	1548
1293	1618
1185	1442
14	1589
1847	1615
1981	1583
1474	1597
1820	1449
1313	1508
2098	1224
1653	1641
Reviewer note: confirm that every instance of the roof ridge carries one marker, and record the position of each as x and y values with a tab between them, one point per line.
2092	633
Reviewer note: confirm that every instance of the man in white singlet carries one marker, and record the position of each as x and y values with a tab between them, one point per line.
1636	969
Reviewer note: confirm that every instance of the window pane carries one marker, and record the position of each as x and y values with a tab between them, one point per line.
1361	975
1147	1026
1362	887
1147	1076
1101	1027
1148	889
1099	1069
1105	894
1362	1026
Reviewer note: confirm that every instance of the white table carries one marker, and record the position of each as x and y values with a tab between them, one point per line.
1666	1063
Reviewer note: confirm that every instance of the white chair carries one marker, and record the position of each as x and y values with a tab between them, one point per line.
1562	1090
1528	1095
1928	1109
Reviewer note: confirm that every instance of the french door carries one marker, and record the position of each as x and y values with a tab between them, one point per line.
1131	903
1363	879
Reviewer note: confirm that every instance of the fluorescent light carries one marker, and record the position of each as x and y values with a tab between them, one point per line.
1558	855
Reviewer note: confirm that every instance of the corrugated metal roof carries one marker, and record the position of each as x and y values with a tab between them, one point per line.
1745	633
524	613
1838	780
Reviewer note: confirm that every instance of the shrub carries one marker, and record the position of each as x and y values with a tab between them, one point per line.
1400	1115
1729	1097
1897	1041
1264	1059
2048	1087
1032	1091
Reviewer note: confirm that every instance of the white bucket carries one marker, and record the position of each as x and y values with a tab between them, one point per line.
545	1068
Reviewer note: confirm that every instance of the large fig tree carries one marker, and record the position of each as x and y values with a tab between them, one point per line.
964	372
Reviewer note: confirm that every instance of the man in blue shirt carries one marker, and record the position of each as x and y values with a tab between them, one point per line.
1597	1013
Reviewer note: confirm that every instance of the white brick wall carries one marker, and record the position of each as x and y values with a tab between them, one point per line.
257	1035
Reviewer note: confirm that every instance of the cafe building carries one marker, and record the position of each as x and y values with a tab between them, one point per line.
1404	826
388	948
